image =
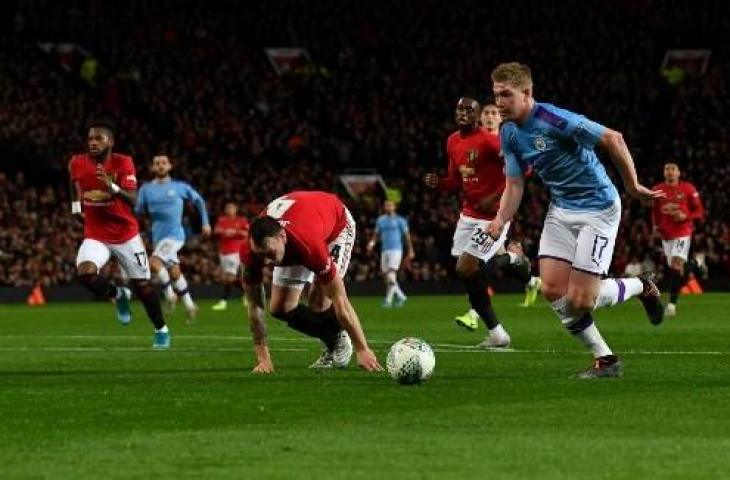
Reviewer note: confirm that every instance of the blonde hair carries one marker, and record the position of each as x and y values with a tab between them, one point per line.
516	74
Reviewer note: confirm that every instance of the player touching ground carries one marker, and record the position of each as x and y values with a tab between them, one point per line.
576	245
391	230
104	190
307	237
231	230
163	199
476	168
674	217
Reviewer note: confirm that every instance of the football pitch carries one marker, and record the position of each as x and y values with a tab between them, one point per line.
82	397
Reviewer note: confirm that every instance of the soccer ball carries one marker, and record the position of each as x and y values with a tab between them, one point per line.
410	361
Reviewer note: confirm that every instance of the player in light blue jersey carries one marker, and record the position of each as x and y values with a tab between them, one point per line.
163	199
576	245
391	230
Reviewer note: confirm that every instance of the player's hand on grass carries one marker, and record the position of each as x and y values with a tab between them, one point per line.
368	361
431	180
265	367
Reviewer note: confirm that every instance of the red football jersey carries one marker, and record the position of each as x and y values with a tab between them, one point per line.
231	233
683	197
311	220
106	217
476	168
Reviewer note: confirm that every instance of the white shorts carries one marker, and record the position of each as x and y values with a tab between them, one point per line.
230	263
166	250
585	239
471	237
131	256
390	260
297	276
677	247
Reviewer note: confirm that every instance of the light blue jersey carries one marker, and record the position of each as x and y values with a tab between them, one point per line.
164	202
390	230
559	146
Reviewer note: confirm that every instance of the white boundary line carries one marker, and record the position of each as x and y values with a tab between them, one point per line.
444	349
438	347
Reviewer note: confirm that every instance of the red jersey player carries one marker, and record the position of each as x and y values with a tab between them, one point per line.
475	167
231	230
673	218
104	189
307	237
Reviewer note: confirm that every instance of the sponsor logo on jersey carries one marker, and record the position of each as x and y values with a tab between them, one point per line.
96	196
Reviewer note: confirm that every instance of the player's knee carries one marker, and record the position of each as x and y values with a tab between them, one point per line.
390	277
155	264
143	288
281	313
552	291
175	272
467	270
678	267
86	269
579	301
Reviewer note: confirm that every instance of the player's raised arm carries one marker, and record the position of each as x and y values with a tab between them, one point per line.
614	143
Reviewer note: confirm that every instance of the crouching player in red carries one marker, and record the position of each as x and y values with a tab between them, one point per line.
104	189
307	237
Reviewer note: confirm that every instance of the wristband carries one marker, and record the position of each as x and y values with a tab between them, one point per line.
114	188
75	207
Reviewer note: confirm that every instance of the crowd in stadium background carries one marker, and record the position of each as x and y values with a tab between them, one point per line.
381	95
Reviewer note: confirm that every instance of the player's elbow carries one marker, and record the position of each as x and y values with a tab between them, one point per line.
612	138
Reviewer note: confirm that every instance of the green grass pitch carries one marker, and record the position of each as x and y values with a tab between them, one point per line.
82	397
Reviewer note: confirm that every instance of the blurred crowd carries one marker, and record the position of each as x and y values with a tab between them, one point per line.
192	80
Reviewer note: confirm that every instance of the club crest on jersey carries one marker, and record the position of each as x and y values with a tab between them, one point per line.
540	144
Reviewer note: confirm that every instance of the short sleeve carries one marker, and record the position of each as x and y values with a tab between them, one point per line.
72	169
141	200
569	125
403	225
127	175
513	167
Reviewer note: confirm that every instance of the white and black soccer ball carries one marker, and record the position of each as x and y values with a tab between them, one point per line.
411	361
